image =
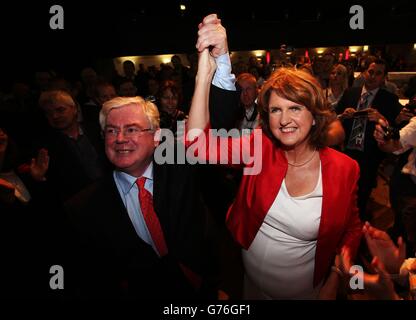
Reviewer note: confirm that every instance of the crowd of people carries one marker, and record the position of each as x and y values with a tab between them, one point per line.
80	185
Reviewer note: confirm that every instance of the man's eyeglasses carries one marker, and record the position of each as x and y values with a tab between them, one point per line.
128	132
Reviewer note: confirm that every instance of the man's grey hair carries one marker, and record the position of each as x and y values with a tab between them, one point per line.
149	109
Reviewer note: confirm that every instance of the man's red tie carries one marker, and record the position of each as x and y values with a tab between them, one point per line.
150	217
153	225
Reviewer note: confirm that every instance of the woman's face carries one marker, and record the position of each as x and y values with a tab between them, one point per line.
336	76
169	101
4	139
289	122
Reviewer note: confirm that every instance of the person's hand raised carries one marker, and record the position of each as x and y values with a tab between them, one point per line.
206	65
212	34
39	165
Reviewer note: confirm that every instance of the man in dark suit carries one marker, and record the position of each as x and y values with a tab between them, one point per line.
372	102
117	242
143	231
249	118
75	149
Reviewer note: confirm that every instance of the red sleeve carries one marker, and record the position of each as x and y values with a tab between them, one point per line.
223	147
352	236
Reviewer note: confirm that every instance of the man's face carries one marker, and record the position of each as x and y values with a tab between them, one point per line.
61	116
128	89
328	62
127	147
374	76
248	93
105	93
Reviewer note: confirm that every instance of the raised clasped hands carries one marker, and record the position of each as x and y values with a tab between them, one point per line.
212	35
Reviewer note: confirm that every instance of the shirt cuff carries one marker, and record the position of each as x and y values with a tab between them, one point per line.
223	77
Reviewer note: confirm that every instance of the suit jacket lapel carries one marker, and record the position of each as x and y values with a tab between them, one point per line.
117	223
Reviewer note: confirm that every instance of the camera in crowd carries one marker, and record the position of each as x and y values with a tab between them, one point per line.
391	133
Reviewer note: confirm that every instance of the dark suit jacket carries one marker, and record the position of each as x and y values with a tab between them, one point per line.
66	174
389	106
108	257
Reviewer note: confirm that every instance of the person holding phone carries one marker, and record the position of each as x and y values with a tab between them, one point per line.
403	183
359	110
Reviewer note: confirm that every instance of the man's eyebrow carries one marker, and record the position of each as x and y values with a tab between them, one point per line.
126	125
132	125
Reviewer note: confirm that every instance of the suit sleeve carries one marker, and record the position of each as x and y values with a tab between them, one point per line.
342	104
223	108
393	110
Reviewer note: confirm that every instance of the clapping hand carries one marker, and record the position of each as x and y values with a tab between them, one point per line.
381	246
379	285
39	165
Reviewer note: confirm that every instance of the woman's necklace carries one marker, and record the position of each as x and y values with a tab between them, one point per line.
302	164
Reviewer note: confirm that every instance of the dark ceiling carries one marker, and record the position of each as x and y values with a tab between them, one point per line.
117	28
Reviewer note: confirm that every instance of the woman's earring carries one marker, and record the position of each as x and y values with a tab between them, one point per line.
313	122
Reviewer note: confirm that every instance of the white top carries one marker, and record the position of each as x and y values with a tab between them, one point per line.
280	262
408	140
330	97
247	124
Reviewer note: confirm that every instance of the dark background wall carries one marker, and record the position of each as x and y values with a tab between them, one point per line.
95	30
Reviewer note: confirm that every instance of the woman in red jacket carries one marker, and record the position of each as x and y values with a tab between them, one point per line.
295	214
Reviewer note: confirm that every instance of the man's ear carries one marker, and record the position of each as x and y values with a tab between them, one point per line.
156	137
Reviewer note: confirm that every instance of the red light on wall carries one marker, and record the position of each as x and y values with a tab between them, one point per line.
340	56
268	57
307	56
347	54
